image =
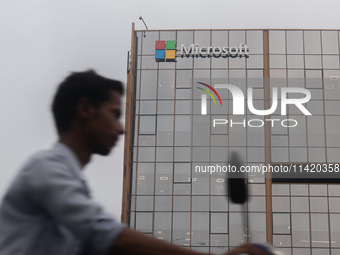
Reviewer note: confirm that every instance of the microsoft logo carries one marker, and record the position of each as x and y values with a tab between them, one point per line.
165	50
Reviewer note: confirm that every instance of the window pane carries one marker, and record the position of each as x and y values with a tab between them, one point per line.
146	140
319	229
317	190
219	203
181	203
162	227
334	204
316	131
277	43
332	131
183	107
280	189
200	203
330	44
147	107
294	42
219	223
148	45
281	204
255	42
312	42
201	130
200	229
300	230
165	107
183	130
183	78
144	203
164	154
257	204
182	154
147	125
181	228
163	203
182	172
318	204
144	222
257	227
335	229
281	223
149	62
218	240
148	84
182	189
166	84
300	204
146	154
237	229
145	181
163	179
165	130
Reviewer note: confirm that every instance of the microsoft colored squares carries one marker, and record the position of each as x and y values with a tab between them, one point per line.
165	50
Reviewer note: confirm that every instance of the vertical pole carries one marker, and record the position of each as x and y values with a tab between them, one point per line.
269	215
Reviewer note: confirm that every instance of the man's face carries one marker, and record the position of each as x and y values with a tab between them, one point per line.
104	126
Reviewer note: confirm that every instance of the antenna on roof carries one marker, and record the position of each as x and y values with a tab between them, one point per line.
141	18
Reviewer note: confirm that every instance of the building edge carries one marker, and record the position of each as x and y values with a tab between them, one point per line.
129	123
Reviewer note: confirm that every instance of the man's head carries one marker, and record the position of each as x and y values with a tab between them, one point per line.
89	105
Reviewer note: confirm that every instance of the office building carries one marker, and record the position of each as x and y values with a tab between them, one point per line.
183	122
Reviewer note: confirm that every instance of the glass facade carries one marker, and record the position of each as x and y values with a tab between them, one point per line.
171	201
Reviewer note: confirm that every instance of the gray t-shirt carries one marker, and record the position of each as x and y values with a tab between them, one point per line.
47	210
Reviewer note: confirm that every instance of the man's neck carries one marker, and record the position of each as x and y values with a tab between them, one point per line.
78	146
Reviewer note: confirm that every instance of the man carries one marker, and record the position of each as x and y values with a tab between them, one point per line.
47	209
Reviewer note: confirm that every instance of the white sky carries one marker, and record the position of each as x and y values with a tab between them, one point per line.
42	41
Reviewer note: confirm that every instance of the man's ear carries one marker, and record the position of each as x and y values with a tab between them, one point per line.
85	109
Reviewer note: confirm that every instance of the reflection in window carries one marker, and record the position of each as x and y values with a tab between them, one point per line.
200	229
237	229
166	84
300	230
257	227
144	203
335	230
162	226
181	228
163	203
319	229
148	84
145	180
183	78
163	179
